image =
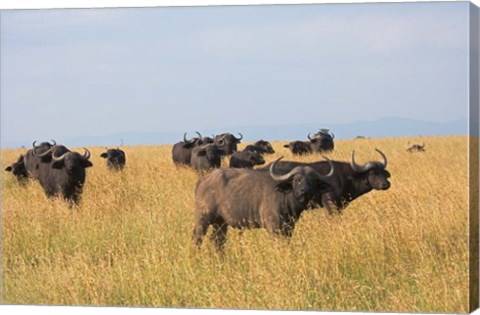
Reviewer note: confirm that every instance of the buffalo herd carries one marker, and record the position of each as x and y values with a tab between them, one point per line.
244	195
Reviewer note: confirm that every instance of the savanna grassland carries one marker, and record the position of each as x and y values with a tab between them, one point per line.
129	242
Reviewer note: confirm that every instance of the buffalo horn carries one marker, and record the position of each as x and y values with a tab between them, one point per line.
238	139
281	178
309	136
369	165
59	158
322	177
185	139
86	155
384	162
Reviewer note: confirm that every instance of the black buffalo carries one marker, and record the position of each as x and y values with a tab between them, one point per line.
322	141
182	151
299	147
246	159
65	174
206	157
115	158
228	142
349	182
416	148
261	146
243	199
18	169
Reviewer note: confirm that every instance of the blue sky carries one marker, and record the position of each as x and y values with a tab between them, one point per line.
71	72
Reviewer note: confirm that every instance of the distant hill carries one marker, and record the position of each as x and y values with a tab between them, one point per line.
385	127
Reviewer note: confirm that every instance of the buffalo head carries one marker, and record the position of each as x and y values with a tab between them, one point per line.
377	175
18	169
302	181
71	161
228	142
115	158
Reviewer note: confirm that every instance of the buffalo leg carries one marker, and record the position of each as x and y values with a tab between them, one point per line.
219	234
328	202
200	230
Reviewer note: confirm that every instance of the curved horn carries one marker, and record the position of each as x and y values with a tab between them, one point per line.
59	158
365	167
280	178
185	139
384	162
326	177
54	142
41	154
309	137
333	136
355	166
199	135
33	144
86	155
238	139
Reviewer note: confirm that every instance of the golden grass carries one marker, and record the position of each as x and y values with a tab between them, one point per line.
129	242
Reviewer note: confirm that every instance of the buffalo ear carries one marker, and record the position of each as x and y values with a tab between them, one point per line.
85	163
104	155
8	169
58	164
284	187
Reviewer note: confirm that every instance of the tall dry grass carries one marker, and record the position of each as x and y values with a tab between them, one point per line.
129	242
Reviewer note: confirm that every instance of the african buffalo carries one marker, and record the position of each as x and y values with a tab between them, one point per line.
18	170
322	141
416	147
65	174
349	182
182	151
246	159
228	142
299	147
261	146
206	157
115	158
243	198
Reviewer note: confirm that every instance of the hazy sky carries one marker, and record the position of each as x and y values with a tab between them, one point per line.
72	72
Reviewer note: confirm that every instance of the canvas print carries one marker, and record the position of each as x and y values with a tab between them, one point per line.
271	157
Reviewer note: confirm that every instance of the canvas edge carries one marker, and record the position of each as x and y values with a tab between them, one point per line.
474	61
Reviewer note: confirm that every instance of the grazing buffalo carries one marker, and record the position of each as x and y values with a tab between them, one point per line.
182	151
322	141
115	158
416	148
206	157
349	182
299	147
228	142
18	170
65	174
243	199
246	159
261	146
